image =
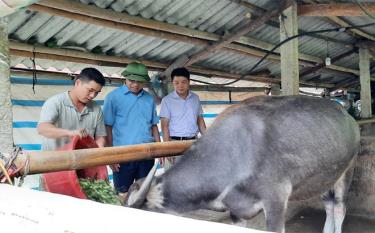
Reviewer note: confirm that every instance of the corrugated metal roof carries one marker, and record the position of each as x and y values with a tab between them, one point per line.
214	16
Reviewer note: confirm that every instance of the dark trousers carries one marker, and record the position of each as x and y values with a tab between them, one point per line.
130	172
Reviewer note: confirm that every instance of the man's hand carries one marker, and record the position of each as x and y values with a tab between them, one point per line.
115	167
79	132
49	130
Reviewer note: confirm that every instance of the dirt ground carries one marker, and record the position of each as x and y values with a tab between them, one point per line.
307	221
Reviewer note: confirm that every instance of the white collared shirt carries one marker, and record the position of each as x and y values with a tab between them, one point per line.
182	114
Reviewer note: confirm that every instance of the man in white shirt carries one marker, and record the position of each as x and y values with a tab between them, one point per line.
181	112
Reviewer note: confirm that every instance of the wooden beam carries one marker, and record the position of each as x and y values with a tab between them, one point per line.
358	33
345	83
335	9
249	5
25	50
225	88
366	121
104	22
145	31
21	53
122	17
122	21
289	52
22	72
258	11
322	64
364	68
251	26
42	74
226	40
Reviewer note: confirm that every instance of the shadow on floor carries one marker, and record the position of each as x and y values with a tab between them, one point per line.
307	221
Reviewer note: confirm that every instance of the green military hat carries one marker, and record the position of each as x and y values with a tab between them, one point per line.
136	71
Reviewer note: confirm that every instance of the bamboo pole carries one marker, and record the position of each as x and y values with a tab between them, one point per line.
52	161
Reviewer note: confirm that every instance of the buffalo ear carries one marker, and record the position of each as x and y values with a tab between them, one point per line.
138	191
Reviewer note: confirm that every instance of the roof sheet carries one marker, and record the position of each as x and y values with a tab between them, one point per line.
214	16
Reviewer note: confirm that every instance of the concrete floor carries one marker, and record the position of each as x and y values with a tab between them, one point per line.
312	221
307	221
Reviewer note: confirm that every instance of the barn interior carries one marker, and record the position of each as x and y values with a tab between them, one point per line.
234	49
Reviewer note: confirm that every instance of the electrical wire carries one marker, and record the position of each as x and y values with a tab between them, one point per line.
35	80
337	29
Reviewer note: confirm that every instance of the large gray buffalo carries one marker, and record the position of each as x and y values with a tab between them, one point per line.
258	155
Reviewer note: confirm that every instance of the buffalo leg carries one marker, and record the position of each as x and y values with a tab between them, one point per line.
329	204
334	202
275	206
275	216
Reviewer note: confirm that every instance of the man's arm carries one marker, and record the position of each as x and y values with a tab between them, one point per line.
201	125
49	130
155	133
165	128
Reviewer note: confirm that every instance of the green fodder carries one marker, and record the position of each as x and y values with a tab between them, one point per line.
99	190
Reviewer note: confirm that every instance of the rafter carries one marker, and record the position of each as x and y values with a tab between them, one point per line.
335	9
43	74
121	21
357	33
25	50
258	11
346	83
226	40
322	65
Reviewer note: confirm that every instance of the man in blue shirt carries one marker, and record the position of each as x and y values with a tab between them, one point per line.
181	112
130	118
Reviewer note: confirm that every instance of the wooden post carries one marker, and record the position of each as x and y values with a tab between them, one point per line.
6	116
364	70
289	51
